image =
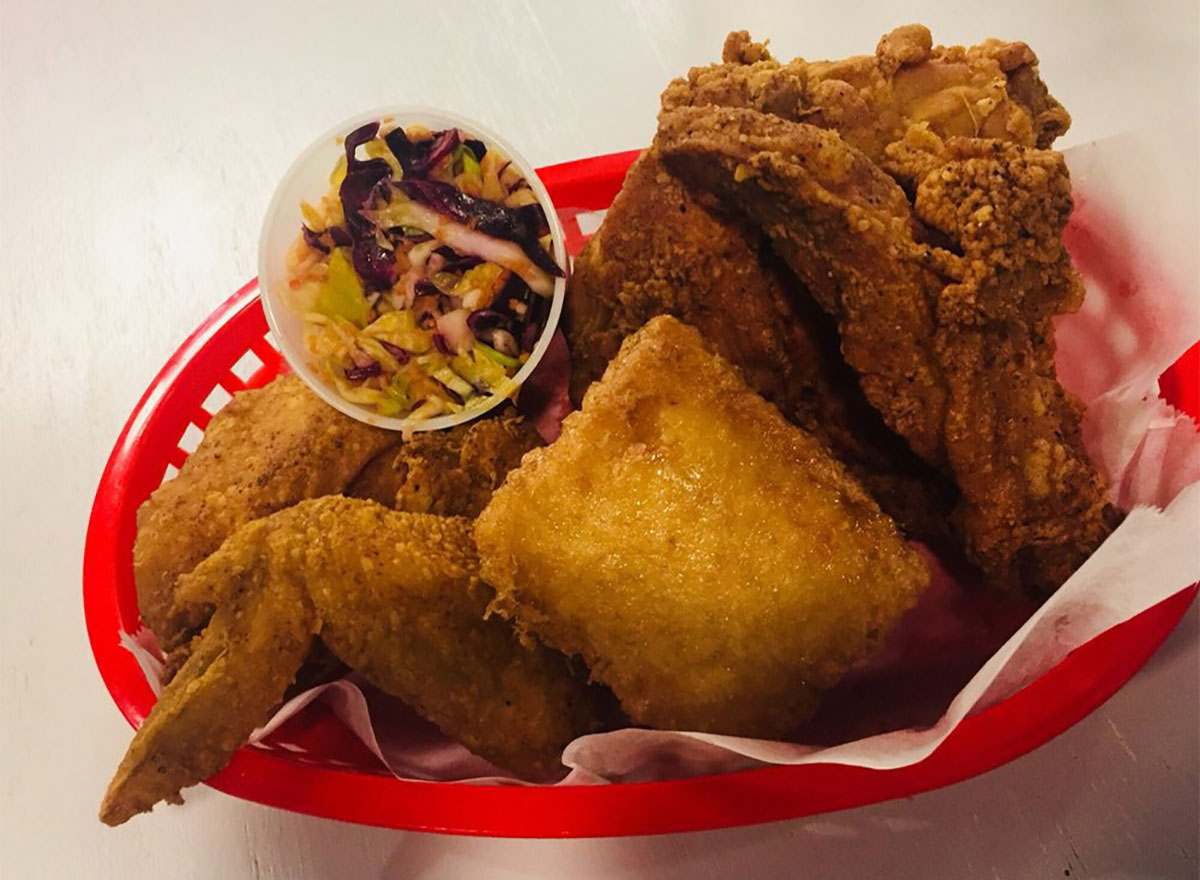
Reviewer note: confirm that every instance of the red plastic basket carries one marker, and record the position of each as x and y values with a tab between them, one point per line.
314	765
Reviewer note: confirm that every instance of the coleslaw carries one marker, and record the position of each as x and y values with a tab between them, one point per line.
424	275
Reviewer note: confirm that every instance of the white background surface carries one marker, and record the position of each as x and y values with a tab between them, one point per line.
139	146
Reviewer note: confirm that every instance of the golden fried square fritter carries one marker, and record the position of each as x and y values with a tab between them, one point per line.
709	561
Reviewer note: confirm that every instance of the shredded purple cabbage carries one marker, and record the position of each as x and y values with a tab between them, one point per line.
522	226
485	320
442	144
358	374
401	355
314	239
477	147
534	218
401	147
439	342
446	198
450	392
401	234
361	135
375	264
366	183
425	287
454	261
359	192
416	158
340	236
362	175
515	292
487	324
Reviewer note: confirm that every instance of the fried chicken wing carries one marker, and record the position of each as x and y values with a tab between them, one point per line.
452	472
235	675
264	451
952	345
1035	505
414	623
708	560
396	596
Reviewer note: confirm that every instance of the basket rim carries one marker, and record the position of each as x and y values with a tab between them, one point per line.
1004	731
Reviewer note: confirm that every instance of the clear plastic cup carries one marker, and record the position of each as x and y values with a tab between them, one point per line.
308	180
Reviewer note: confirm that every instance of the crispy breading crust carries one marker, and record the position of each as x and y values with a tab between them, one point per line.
708	560
264	451
451	472
235	674
992	90
659	251
837	227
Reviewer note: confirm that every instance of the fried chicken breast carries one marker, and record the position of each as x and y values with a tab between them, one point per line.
952	345
708	560
992	91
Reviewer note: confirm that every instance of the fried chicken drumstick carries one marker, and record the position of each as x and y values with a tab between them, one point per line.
953	345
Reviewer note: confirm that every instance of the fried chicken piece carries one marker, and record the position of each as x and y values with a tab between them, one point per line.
234	677
415	625
264	451
662	251
1035	506
394	595
451	472
955	351
992	90
659	251
708	560
833	218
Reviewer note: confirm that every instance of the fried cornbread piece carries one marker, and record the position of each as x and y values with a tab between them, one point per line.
264	451
709	561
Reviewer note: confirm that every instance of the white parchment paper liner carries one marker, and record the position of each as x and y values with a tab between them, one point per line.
1134	238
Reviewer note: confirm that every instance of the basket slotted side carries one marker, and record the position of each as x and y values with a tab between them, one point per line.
151	446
